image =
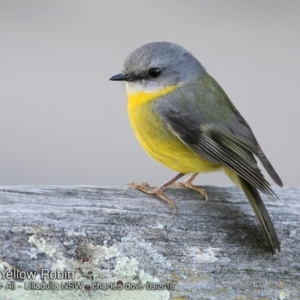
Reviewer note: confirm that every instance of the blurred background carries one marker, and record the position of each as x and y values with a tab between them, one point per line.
63	122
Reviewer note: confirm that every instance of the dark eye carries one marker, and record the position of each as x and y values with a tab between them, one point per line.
154	73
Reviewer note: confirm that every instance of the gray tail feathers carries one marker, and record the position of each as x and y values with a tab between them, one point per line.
262	214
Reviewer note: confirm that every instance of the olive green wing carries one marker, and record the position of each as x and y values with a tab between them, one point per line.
225	139
243	135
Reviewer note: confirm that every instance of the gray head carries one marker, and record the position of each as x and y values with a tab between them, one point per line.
157	65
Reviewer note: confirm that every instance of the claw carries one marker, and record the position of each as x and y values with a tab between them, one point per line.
188	184
192	187
146	188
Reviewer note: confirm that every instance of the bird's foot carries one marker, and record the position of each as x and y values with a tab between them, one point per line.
147	189
187	184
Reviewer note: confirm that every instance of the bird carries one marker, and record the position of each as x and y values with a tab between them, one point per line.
184	119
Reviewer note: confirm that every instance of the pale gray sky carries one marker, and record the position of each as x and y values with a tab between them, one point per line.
63	122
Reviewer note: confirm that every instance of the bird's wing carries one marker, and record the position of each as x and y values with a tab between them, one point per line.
242	131
230	143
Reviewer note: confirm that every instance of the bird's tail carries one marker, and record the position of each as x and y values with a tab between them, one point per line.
259	209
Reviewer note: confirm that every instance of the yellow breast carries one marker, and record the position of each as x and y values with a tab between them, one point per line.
155	137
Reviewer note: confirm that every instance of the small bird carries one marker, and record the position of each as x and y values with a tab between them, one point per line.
184	119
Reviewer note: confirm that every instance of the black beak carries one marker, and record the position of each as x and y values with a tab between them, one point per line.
120	77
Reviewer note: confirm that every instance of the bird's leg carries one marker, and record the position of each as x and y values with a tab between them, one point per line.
188	184
146	188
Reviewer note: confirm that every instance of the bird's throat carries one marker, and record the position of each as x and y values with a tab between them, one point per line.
140	97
